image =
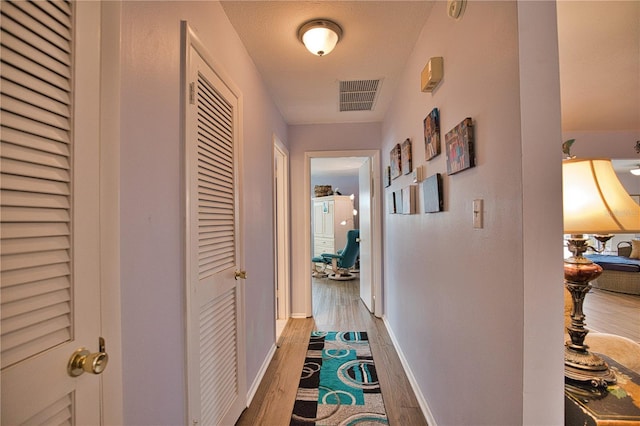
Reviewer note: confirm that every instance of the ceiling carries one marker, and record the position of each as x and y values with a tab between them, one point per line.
599	44
599	58
378	37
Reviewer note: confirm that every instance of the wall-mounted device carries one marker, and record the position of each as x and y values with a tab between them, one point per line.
432	74
455	8
416	175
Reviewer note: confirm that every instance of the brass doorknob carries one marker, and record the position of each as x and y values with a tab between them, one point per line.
82	360
241	274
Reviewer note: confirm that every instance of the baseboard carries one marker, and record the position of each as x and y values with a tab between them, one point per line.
431	421
299	316
263	369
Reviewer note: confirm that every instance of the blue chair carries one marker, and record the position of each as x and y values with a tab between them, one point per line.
344	259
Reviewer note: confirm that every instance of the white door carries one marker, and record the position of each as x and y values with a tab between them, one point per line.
364	214
215	299
50	210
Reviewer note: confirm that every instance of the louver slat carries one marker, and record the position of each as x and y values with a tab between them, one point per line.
218	356
58	413
216	207
35	160
358	95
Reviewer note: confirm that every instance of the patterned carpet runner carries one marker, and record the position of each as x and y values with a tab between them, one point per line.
339	384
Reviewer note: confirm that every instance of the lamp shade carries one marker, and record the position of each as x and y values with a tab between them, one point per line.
594	200
320	36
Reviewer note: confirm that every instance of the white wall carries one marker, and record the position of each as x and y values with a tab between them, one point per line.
302	139
151	215
474	310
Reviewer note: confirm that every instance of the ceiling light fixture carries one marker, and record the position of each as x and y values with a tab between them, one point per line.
636	171
320	36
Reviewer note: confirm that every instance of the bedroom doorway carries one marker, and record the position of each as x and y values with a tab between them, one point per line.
342	169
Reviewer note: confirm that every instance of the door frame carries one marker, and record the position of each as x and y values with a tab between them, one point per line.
281	225
376	223
110	295
190	41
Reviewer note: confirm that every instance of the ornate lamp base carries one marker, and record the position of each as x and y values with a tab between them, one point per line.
587	368
580	366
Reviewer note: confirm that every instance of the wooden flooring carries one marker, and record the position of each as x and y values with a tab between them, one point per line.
614	313
337	307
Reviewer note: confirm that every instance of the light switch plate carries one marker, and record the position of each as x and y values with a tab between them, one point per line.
477	214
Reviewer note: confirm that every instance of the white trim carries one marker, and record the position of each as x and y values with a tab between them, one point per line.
110	90
428	415
263	369
376	223
282	248
299	315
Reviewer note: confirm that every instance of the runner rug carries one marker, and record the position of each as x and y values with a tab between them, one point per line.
338	384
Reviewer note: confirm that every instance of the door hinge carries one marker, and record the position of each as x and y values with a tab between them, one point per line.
192	93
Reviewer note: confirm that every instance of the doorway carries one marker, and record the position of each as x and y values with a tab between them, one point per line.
344	169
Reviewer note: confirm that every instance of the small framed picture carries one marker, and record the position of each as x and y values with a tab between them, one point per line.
391	203
387	176
432	194
432	134
409	199
396	165
406	156
397	195
459	147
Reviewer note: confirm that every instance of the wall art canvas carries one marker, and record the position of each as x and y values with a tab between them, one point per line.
409	199
459	147
396	165
406	156
391	203
432	194
432	134
398	197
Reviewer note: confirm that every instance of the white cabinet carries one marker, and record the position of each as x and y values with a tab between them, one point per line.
328	235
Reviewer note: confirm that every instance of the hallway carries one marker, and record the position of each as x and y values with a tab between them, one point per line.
336	307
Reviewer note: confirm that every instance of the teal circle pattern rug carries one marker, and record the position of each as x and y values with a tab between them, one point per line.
338	384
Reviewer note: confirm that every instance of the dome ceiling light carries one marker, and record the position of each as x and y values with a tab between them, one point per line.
320	36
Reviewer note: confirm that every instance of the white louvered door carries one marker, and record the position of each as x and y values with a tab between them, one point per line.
50	281
217	393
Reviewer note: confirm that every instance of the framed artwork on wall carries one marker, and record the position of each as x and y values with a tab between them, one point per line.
387	176
431	126
397	195
406	156
391	202
432	194
409	199
459	147
396	165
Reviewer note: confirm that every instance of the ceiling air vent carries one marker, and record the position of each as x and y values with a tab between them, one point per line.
358	95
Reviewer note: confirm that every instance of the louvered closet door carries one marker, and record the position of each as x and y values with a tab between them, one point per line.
217	393
49	213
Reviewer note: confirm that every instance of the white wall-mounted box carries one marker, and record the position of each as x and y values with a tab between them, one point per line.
432	74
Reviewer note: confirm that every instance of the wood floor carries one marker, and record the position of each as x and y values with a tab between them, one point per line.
337	307
614	313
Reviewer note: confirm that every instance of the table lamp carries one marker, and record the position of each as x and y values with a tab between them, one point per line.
594	202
